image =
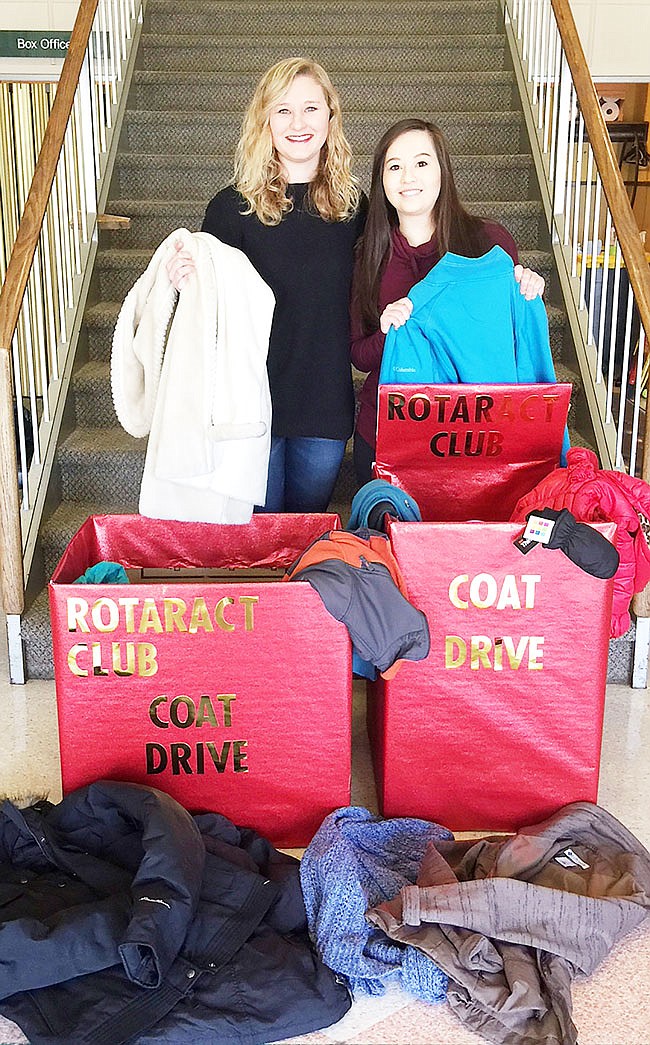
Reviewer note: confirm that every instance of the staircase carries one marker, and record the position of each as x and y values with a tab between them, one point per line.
445	60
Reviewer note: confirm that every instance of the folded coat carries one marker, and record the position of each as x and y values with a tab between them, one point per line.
355	860
471	324
123	919
360	583
511	920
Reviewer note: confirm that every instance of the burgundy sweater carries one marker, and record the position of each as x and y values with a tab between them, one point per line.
406	267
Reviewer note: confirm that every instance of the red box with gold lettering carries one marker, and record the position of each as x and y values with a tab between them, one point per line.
469	451
501	724
205	676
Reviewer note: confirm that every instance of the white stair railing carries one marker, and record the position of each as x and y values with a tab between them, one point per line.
601	260
589	211
47	276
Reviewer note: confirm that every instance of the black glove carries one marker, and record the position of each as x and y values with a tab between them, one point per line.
377	515
586	547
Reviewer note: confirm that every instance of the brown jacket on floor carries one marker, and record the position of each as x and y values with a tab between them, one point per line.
512	920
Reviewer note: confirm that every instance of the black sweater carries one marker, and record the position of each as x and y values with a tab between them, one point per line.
307	262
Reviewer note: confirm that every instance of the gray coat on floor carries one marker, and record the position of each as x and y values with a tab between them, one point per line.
512	920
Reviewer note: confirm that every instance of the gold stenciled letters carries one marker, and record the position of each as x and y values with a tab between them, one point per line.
138	616
484	591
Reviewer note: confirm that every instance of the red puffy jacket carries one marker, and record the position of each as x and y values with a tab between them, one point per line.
598	495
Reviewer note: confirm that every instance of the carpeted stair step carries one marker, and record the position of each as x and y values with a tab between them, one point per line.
410	91
620	661
524	220
64	523
539	260
117	270
558	331
36	633
94	404
102	465
383	53
93	401
207	18
153	220
203	134
565	375
173	176
99	321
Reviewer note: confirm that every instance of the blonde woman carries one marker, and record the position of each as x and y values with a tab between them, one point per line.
294	209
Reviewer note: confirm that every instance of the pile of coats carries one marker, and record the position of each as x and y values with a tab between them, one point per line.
510	921
128	921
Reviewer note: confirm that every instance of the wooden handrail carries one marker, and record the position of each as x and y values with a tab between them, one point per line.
29	230
625	223
11	299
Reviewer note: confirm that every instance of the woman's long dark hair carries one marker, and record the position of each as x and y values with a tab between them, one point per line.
456	229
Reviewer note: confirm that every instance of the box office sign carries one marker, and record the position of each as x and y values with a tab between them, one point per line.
230	692
33	43
502	723
469	451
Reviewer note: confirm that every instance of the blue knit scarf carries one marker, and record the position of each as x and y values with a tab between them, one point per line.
355	861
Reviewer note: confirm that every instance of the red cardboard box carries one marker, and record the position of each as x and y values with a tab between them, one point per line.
501	724
206	677
469	451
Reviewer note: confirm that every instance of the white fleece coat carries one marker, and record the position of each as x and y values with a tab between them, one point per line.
193	377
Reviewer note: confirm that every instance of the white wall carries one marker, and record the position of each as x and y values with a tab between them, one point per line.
38	14
615	36
35	14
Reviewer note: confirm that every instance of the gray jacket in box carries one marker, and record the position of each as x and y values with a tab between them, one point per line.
512	920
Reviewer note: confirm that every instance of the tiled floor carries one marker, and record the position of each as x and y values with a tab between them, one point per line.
612	1007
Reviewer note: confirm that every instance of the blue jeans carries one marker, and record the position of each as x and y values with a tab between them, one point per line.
302	474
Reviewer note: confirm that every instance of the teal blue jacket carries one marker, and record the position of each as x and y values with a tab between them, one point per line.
471	324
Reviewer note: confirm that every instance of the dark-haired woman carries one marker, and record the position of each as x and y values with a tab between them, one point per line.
414	218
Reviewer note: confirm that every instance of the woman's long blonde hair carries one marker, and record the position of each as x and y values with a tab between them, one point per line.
258	173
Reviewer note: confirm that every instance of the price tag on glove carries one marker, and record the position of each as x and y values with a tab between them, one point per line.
539	529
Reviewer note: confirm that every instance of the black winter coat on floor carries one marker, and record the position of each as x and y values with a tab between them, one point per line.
123	919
